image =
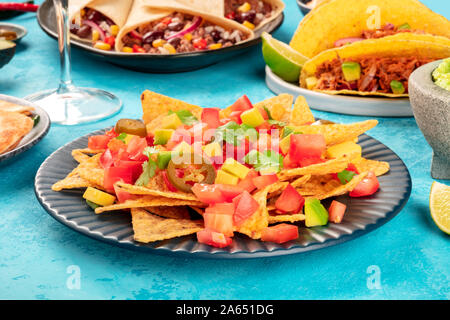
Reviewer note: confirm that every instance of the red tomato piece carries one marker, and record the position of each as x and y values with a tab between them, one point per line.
280	233
200	43
336	211
222	223
166	20
210	116
266	180
111	41
368	186
182	134
230	15
115	145
208	193
288	163
245	206
310	161
135	148
114	174
306	146
290	201
236	117
121	195
134	166
230	191
106	159
242	104
247	183
111	133
98	142
215	239
138	49
264	127
169	185
263	113
221	208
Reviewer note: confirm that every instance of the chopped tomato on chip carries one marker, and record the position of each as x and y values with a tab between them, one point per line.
210	116
266	180
98	142
208	193
306	146
336	211
121	195
310	161
280	233
242	104
368	186
247	183
230	191
114	174
106	159
115	145
135	148
290	201
222	223
215	239
236	117
245	206
135	167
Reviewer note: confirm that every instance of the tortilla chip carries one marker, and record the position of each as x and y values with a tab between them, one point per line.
342	189
378	167
13	107
330	166
301	181
301	113
81	155
318	185
280	107
91	170
180	212
149	228
259	220
72	182
275	218
338	133
155	192
199	210
148	201
13	127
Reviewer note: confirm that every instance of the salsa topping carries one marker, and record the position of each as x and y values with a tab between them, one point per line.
248	12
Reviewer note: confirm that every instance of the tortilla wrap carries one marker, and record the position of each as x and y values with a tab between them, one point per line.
214	7
116	10
13	127
13	107
141	13
338	19
383	48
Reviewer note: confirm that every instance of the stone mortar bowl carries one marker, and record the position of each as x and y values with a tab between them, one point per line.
431	107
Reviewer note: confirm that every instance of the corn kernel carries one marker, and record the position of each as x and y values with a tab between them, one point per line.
158	43
170	48
127	49
245	7
249	25
102	46
215	46
82	12
188	36
95	35
114	30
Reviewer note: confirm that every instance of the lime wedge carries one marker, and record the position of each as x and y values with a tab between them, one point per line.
284	61
440	206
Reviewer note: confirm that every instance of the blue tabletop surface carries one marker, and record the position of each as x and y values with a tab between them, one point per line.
40	258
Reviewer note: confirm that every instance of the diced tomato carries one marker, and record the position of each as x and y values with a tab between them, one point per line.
336	211
306	146
114	174
280	233
290	201
200	43
236	117
138	49
230	15
242	104
150	140
182	134
288	163
245	206
266	180
208	193
166	20
222	223
136	35
115	145
264	127
110	40
111	133
98	142
134	166
121	195
263	113
135	148
106	159
215	239
210	116
169	185
230	191
247	183
368	186
221	208
310	161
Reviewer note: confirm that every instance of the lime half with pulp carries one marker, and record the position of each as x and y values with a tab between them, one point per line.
440	205
284	61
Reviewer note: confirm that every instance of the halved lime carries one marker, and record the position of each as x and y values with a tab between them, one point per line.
440	205
281	58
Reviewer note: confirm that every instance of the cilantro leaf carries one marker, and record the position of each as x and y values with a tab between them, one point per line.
346	176
271	120
148	151
264	160
149	170
234	134
122	137
185	116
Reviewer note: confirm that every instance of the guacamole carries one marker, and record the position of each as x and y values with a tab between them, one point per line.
441	75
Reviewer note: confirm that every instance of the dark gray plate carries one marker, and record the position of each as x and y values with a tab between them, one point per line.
160	63
35	135
363	214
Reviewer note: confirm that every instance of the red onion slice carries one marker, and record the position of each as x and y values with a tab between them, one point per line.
344	41
95	26
195	24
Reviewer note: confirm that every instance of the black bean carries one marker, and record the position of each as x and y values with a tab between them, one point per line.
151	36
84	31
215	35
175	42
74	28
175	26
246	16
95	16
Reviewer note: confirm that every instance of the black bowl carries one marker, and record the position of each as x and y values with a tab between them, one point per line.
158	63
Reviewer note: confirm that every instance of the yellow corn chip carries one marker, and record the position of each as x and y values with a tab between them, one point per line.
180	212
275	218
254	225
330	166
301	113
72	182
342	189
280	107
378	167
300	181
92	171
149	228
156	192
199	210
81	155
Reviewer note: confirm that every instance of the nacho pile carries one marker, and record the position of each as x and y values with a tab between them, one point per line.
260	170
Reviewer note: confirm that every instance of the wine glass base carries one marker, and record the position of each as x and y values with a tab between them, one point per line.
72	105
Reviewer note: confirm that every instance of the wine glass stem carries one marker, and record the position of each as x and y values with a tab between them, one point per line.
63	22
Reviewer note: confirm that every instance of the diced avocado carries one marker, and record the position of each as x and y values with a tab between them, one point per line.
183	147
311	82
404	26
285	144
213	149
98	197
315	213
171	121
252	117
7	50
163	159
223	177
397	87
351	70
92	205
349	149
162	136
235	168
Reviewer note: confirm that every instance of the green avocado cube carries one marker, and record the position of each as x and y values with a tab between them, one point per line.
163	159
397	87
351	70
162	136
172	121
252	117
315	213
404	26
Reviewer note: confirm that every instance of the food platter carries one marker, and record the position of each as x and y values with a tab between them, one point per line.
35	135
364	214
354	105
160	63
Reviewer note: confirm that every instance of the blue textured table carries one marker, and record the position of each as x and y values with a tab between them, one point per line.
408	258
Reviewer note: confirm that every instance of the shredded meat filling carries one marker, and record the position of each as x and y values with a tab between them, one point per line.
387	30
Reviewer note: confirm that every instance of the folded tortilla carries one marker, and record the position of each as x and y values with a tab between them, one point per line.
378	48
13	127
142	13
116	10
338	19
214	7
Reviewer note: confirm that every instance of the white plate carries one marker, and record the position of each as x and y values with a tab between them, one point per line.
361	106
